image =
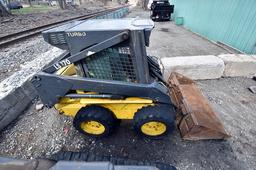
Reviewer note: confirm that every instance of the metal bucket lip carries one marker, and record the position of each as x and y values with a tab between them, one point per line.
198	120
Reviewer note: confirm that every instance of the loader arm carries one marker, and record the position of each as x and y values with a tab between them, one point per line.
52	87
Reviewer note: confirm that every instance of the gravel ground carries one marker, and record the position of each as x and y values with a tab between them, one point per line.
25	21
14	56
41	133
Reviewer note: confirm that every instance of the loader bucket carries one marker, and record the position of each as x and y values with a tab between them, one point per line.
196	119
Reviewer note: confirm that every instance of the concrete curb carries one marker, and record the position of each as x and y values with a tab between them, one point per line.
211	67
15	103
194	67
16	93
239	65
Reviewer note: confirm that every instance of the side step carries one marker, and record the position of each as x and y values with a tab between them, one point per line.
196	119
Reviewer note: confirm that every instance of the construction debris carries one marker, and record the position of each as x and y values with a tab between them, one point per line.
39	107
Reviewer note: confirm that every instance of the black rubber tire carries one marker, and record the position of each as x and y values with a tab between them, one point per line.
117	122
90	157
161	113
95	113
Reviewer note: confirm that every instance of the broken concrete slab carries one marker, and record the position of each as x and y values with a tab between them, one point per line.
239	65
194	67
16	93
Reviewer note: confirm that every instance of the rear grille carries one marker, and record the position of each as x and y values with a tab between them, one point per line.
57	39
111	64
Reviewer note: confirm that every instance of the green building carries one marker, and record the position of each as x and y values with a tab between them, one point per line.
232	22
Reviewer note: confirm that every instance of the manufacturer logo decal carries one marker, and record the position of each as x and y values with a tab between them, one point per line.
76	34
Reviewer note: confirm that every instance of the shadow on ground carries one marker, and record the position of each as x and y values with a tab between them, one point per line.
215	154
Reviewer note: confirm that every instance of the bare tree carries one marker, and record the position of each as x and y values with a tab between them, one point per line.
62	4
29	2
4	11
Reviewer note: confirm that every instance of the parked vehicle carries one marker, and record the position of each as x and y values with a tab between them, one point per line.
15	5
161	10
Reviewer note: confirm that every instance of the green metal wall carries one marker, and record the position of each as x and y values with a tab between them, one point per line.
232	22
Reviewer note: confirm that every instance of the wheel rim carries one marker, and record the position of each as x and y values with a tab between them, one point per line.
93	127
153	128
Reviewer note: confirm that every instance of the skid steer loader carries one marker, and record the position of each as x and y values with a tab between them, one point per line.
106	76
